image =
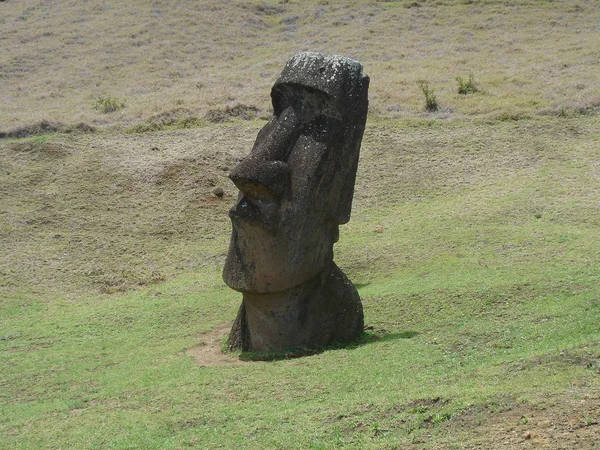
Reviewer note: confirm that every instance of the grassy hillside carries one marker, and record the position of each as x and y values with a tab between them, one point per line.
474	246
473	239
528	57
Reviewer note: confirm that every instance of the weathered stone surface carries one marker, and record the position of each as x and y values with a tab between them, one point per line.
296	188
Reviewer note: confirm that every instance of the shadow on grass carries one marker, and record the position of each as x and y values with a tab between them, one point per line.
399	335
368	336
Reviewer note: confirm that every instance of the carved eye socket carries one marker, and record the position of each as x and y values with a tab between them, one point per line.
325	129
308	103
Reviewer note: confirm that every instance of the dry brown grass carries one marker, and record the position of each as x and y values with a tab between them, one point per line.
528	57
113	210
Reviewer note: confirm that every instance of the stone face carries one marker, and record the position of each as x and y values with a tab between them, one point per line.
296	188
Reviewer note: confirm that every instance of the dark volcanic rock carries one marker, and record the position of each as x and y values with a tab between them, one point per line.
296	188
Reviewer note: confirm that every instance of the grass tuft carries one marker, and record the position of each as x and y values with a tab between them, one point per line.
431	103
107	104
466	86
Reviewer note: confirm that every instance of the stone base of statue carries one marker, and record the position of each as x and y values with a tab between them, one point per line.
322	311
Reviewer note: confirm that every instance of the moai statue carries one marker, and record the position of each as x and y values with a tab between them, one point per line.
296	188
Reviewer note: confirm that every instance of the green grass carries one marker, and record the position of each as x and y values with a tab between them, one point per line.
474	247
107	104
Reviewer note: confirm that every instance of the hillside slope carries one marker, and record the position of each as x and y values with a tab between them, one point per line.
527	57
474	247
473	240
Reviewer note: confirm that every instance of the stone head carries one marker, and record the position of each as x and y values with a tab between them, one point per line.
297	183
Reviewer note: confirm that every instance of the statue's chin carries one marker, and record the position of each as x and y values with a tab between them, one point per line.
269	279
262	261
269	273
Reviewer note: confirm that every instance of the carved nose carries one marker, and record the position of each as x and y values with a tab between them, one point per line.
265	173
276	139
261	179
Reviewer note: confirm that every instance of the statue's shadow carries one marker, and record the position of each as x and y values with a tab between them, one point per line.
370	335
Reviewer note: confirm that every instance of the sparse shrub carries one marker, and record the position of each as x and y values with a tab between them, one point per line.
466	86
108	104
562	111
431	103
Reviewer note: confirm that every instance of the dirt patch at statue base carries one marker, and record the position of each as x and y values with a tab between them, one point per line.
209	353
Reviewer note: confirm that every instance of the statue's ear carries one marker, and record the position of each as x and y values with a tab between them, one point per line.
355	134
344	205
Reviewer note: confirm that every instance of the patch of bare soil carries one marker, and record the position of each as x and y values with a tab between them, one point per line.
209	354
565	424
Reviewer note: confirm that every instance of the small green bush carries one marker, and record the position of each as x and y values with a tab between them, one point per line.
431	103
108	104
466	86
